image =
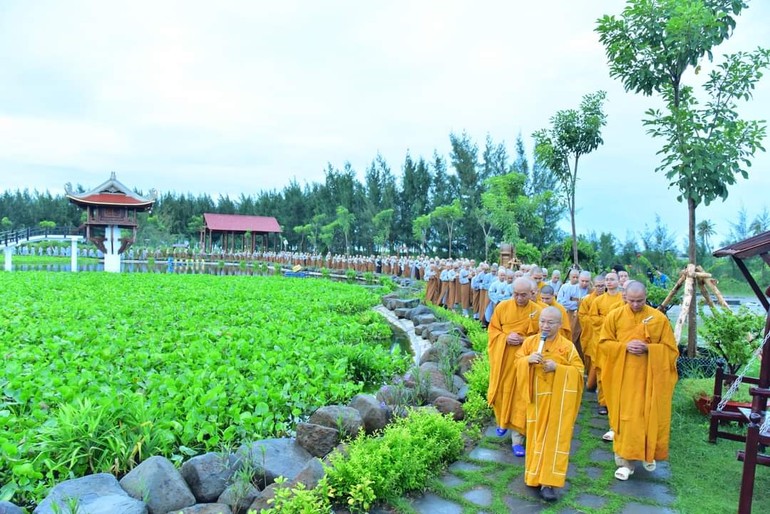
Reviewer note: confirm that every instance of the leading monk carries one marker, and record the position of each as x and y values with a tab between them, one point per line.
549	367
639	375
512	321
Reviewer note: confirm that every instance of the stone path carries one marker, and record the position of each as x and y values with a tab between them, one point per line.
489	479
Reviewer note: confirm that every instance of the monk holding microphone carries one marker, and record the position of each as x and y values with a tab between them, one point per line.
549	379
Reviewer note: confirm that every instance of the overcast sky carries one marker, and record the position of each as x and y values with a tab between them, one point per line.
235	97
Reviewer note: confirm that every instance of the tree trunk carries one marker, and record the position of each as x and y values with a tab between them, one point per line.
692	322
572	214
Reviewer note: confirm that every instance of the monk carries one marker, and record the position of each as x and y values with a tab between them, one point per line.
599	310
512	321
569	297
552	386
586	337
547	300
639	376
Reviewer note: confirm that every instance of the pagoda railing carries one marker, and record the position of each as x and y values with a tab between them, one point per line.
22	235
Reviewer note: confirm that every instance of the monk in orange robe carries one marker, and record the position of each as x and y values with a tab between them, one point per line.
551	373
547	300
599	310
639	375
512	321
586	336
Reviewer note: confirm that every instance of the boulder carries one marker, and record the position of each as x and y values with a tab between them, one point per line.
451	406
418	330
206	508
318	440
462	393
438	327
465	363
436	376
407	303
346	419
94	494
374	414
311	474
437	392
10	508
420	310
262	500
388	300
432	354
239	496
208	475
423	319
273	458
402	312
160	484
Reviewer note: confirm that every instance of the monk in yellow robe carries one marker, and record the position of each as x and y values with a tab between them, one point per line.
587	334
547	300
551	373
512	321
639	375
599	310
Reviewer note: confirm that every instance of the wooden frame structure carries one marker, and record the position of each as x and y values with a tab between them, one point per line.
227	227
758	432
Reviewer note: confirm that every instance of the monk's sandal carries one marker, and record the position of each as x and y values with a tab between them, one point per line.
623	473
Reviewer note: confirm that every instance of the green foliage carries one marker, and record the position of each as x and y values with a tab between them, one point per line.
420	227
477	410
170	362
573	133
368	277
299	500
325	273
526	252
350	275
734	336
408	453
449	215
47	224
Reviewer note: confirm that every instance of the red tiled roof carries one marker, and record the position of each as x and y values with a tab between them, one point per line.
111	199
240	223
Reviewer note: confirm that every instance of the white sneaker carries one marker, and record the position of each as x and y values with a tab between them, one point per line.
650	466
609	435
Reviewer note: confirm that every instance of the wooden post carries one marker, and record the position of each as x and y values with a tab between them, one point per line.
689	290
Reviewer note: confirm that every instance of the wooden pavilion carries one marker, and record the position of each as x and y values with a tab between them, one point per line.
757	438
110	208
227	229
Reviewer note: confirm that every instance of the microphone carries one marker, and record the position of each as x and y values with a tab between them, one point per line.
543	337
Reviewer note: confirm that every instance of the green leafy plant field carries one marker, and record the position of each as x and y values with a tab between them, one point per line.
101	371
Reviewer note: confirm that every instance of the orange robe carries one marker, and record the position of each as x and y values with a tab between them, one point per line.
600	307
553	402
639	388
507	318
586	328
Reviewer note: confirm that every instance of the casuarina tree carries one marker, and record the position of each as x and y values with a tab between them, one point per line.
706	145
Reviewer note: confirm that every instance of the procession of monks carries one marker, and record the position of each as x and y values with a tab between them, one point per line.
548	341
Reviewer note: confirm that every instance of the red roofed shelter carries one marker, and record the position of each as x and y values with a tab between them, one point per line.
227	227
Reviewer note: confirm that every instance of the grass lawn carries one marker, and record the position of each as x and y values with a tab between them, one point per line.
707	477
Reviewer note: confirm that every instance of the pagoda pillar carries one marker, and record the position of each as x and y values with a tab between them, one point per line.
112	245
9	258
74	253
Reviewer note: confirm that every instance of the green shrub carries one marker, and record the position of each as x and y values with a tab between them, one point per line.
325	273
351	275
369	277
477	411
733	336
408	453
388	286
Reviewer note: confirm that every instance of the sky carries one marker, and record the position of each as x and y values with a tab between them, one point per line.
235	97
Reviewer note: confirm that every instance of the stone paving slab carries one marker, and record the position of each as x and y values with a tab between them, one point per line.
481	496
463	466
520	506
640	508
603	455
434	504
591	501
449	480
504	455
659	493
